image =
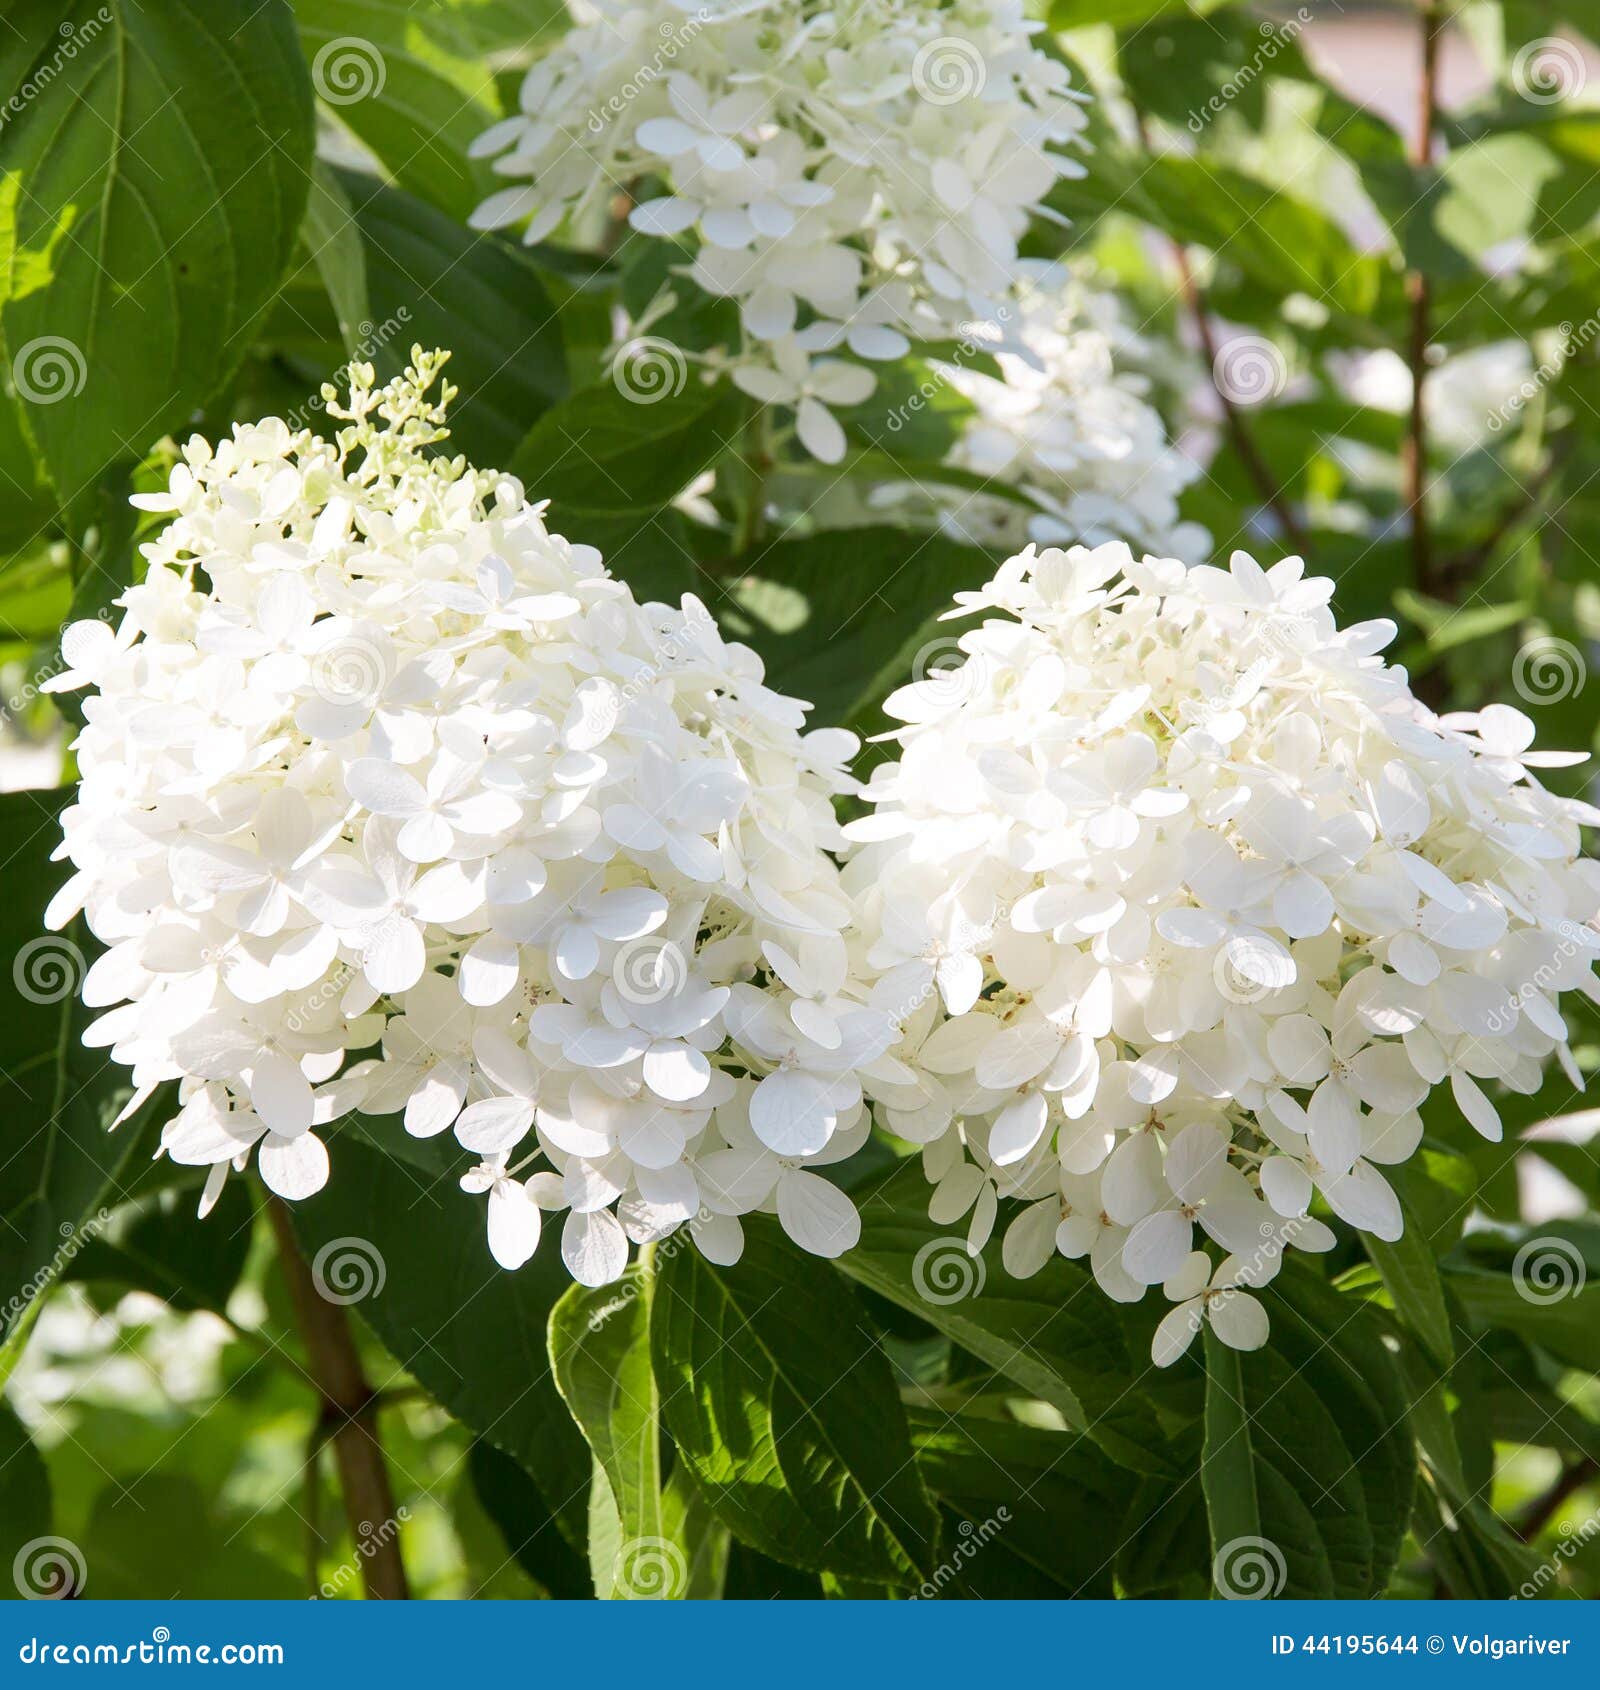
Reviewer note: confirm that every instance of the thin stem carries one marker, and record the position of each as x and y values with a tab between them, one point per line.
349	1416
1548	1503
311	1486
754	454
1419	293
1257	467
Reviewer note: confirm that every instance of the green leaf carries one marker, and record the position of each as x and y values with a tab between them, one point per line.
1349	1357
600	1355
1308	1466
601	452
1566	1324
1274	239
35	594
60	1098
506	27
782	1406
839	617
1265	1537
379	69
432	282
1055	1334
471	1333
532	1534
1073	14
1411	1277
1164	1547
25	1509
688	1519
152	191
1025	1509
333	242
162	1531
161	1245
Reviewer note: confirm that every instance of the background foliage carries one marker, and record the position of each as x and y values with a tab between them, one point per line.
205	210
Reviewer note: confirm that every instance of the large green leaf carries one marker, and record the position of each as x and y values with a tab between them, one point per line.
1026	1510
1565	1324
162	1531
1073	14
35	594
471	1333
600	1354
609	454
1277	240
25	1509
1056	1334
161	1245
534	1538
783	1406
840	617
1307	1467
541	1545
1265	1534
59	1167
433	282
1350	1357
153	187
414	102
332	240
1411	1277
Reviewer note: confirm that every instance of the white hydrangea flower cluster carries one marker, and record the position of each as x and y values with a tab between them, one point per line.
394	801
856	176
1069	425
1185	904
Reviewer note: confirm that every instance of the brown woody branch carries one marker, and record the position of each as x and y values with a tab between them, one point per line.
349	1417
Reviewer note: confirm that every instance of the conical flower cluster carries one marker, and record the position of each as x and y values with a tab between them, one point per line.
394	801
